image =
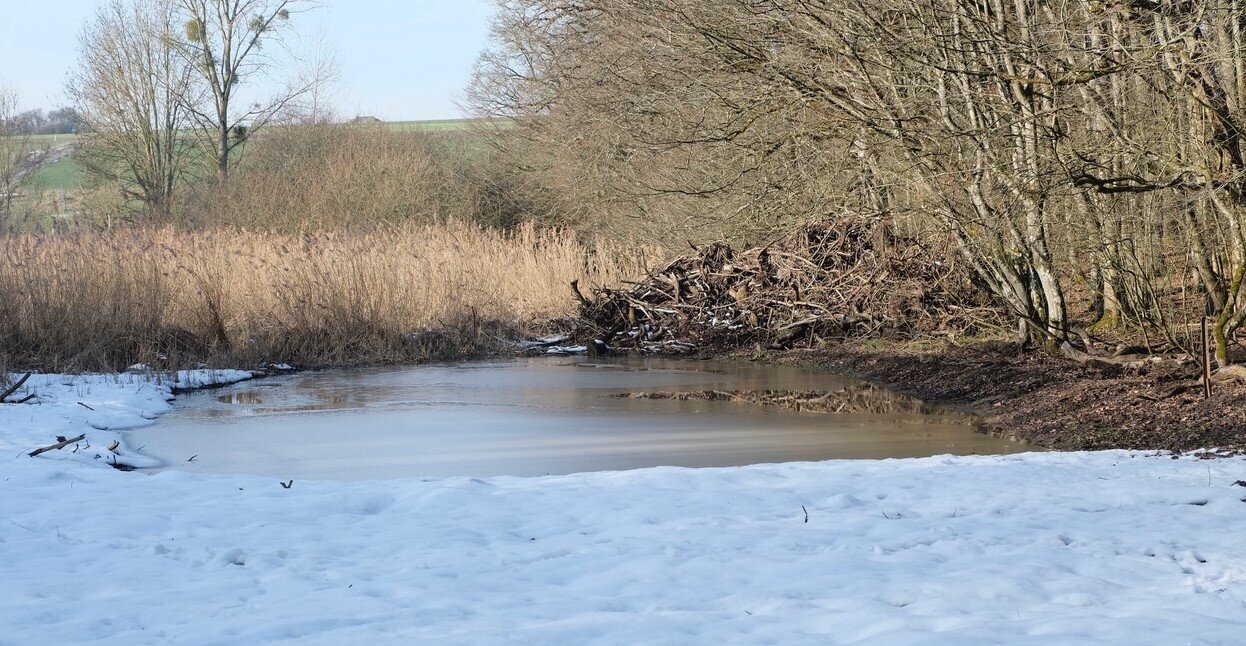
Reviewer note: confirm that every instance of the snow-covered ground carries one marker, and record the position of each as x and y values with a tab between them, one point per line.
1031	549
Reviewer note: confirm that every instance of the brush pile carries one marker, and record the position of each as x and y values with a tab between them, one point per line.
832	279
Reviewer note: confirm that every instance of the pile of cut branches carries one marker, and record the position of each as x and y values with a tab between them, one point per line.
832	279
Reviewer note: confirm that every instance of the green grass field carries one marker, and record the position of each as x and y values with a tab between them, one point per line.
51	140
438	125
62	175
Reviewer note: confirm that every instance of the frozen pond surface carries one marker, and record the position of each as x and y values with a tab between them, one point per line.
537	417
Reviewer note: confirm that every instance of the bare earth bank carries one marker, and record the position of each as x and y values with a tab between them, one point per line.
1051	401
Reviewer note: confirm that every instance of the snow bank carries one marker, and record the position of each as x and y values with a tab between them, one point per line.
99	406
1030	549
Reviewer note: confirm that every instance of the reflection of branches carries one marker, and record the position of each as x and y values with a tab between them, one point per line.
859	398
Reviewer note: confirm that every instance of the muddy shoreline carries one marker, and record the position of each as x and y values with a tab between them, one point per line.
1049	401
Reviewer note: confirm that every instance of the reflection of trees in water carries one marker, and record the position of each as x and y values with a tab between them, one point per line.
311	397
242	397
330	397
861	398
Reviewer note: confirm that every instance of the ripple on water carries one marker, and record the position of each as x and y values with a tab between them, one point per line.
548	416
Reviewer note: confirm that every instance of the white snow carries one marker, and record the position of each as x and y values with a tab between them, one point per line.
201	378
566	349
1038	548
99	406
554	345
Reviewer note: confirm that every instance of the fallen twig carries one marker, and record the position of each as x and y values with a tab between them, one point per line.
58	446
12	389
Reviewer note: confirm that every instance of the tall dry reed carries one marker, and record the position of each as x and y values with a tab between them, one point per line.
101	301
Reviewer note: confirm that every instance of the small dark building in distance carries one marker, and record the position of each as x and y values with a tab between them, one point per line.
365	119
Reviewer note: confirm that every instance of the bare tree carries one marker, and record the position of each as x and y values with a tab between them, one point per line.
761	113
1201	77
1078	152
229	43
13	144
130	88
624	116
19	156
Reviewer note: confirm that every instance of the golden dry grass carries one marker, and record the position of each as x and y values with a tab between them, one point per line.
407	293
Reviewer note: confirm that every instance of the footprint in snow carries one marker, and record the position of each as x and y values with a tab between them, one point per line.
375	505
234	557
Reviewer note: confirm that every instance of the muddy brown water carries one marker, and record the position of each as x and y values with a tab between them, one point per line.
543	416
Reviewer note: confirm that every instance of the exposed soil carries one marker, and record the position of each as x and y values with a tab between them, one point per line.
1050	401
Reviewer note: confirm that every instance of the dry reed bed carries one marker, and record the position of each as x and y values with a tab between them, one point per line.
102	301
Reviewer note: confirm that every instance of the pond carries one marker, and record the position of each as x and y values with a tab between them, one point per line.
548	415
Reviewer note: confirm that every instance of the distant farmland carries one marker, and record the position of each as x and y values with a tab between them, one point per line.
438	125
61	175
66	174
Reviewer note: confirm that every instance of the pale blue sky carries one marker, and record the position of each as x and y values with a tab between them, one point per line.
400	59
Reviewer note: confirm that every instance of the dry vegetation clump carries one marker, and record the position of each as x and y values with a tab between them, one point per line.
103	301
328	176
832	279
